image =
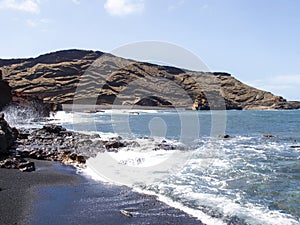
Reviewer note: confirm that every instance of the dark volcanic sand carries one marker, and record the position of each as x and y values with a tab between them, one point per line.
55	194
18	189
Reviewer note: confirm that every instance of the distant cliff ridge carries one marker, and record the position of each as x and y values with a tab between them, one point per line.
56	76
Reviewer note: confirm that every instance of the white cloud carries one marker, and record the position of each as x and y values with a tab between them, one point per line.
30	6
37	22
124	7
286	86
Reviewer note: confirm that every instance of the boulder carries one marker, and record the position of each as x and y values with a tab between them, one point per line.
114	144
268	136
224	136
80	159
17	163
126	213
54	129
27	166
9	164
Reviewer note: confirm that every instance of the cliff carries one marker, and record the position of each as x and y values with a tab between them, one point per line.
5	93
77	76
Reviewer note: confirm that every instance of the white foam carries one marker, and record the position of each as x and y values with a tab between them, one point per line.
21	117
61	117
253	214
142	159
129	111
193	212
216	156
88	171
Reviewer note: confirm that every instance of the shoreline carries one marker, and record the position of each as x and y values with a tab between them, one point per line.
56	194
80	108
85	108
77	193
99	108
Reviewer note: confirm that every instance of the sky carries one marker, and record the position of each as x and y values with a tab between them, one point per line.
257	41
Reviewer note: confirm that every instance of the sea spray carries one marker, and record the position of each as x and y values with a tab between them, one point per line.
20	116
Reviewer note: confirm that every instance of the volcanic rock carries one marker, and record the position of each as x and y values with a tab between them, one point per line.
224	136
8	135
5	92
76	76
27	166
268	136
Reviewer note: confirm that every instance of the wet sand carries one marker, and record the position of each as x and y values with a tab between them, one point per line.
18	189
55	194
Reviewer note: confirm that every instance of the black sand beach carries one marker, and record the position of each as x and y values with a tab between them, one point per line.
55	194
18	190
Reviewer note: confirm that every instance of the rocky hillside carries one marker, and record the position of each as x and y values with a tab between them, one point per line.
77	76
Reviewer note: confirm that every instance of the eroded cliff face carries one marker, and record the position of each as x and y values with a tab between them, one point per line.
91	77
10	97
5	93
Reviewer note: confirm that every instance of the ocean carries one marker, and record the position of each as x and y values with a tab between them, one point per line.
251	177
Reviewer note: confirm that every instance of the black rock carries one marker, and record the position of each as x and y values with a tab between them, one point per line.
27	166
54	129
1	116
268	136
224	136
126	213
295	146
114	144
165	146
8	135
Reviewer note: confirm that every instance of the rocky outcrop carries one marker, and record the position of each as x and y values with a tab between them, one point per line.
57	78
17	163
8	136
246	97
55	143
5	93
33	103
8	158
11	97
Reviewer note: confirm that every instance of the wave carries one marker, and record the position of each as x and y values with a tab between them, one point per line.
22	117
225	180
209	186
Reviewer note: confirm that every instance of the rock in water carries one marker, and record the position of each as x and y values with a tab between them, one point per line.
126	213
224	136
268	136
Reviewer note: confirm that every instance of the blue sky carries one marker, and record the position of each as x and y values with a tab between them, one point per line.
257	41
